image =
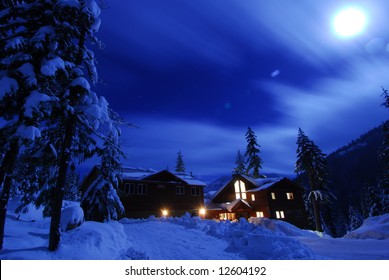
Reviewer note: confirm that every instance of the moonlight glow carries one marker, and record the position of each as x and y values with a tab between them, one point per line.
349	22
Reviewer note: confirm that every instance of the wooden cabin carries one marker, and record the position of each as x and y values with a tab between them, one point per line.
275	198
164	193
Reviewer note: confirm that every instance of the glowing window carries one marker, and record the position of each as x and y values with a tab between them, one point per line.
253	197
280	214
289	196
240	190
273	195
259	214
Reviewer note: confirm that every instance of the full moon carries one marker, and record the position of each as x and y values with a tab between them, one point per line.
349	22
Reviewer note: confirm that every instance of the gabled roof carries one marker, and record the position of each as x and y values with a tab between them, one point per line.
236	204
138	174
259	183
264	183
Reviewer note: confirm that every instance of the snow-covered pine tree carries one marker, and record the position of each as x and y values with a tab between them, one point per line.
254	162
72	187
372	200
22	99
355	218
100	201
311	162
80	112
384	180
240	167
180	166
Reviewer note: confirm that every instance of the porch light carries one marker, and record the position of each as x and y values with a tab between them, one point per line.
202	211
165	212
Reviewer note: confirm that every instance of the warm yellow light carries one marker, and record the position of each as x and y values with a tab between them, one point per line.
202	211
165	212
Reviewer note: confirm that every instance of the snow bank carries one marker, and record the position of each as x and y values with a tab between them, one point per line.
94	241
71	217
372	228
264	239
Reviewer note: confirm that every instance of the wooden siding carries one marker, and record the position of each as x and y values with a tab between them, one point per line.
162	195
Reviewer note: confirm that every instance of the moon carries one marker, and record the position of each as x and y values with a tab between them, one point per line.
349	22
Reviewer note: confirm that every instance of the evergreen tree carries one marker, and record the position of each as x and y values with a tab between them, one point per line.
24	102
100	201
384	180
372	200
44	67
355	218
311	162
240	164
254	162
72	188
180	166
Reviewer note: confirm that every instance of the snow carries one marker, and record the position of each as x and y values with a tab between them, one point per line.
15	43
28	132
27	71
186	238
51	66
82	82
72	215
33	101
7	86
372	228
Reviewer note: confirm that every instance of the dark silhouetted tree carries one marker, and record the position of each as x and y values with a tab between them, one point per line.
180	166
311	163
254	162
240	167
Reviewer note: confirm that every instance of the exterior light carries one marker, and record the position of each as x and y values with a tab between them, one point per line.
165	212
202	212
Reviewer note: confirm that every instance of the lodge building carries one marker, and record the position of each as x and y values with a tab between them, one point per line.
243	196
146	192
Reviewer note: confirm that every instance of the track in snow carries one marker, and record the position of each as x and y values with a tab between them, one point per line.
168	241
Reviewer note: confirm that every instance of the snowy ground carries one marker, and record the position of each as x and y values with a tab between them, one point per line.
189	238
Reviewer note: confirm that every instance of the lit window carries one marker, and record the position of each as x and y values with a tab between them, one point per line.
223	216
142	189
253	197
280	214
240	190
289	196
259	214
273	195
195	191
180	190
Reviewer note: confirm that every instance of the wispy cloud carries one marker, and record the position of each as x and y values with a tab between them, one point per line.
335	110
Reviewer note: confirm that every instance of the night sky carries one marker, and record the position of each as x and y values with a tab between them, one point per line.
193	75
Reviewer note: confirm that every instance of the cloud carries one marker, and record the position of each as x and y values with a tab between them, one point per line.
335	110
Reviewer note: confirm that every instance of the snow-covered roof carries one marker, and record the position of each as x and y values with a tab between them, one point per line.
189	179
260	183
264	183
136	173
230	206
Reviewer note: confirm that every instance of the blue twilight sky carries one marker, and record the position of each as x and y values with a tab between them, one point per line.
194	74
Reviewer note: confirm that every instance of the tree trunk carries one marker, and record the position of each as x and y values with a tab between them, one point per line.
57	192
315	206
8	164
